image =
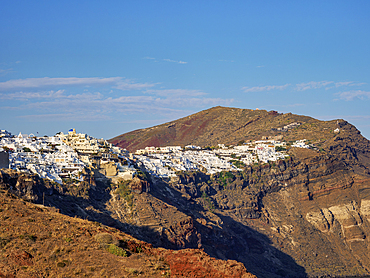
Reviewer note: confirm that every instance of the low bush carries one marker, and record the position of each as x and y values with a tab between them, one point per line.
115	250
124	191
104	238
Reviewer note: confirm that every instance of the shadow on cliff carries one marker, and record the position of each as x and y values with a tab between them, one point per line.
232	240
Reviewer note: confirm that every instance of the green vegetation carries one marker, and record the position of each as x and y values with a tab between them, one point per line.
143	175
280	149
225	178
238	163
115	250
26	149
208	202
124	191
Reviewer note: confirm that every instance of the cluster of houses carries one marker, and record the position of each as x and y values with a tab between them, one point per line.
287	127
300	144
167	164
61	156
46	156
164	162
83	143
65	155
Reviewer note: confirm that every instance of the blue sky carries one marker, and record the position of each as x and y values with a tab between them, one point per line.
106	68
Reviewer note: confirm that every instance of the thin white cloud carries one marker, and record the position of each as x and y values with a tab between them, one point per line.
312	85
33	99
193	102
128	85
325	84
37	83
265	88
55	102
260	66
32	95
345	83
304	86
148	58
72	116
6	71
173	61
176	92
47	81
351	95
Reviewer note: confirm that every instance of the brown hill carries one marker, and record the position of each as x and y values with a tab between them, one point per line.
222	125
37	241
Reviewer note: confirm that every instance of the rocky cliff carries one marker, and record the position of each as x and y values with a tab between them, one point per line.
307	215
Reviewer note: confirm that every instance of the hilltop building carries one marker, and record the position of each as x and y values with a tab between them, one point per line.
83	143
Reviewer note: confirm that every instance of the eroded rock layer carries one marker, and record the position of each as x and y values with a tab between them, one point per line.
307	215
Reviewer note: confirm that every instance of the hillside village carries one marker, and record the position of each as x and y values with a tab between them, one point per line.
166	161
64	156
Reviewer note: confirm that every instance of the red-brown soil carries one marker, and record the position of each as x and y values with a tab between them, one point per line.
223	125
37	241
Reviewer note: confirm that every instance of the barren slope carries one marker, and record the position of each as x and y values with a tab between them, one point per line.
222	125
37	241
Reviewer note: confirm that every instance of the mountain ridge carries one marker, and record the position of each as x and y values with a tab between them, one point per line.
226	126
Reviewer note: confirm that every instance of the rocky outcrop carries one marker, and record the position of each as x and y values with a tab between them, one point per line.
28	187
347	216
138	186
183	234
108	169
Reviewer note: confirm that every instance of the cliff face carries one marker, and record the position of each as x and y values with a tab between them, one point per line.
303	216
307	215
